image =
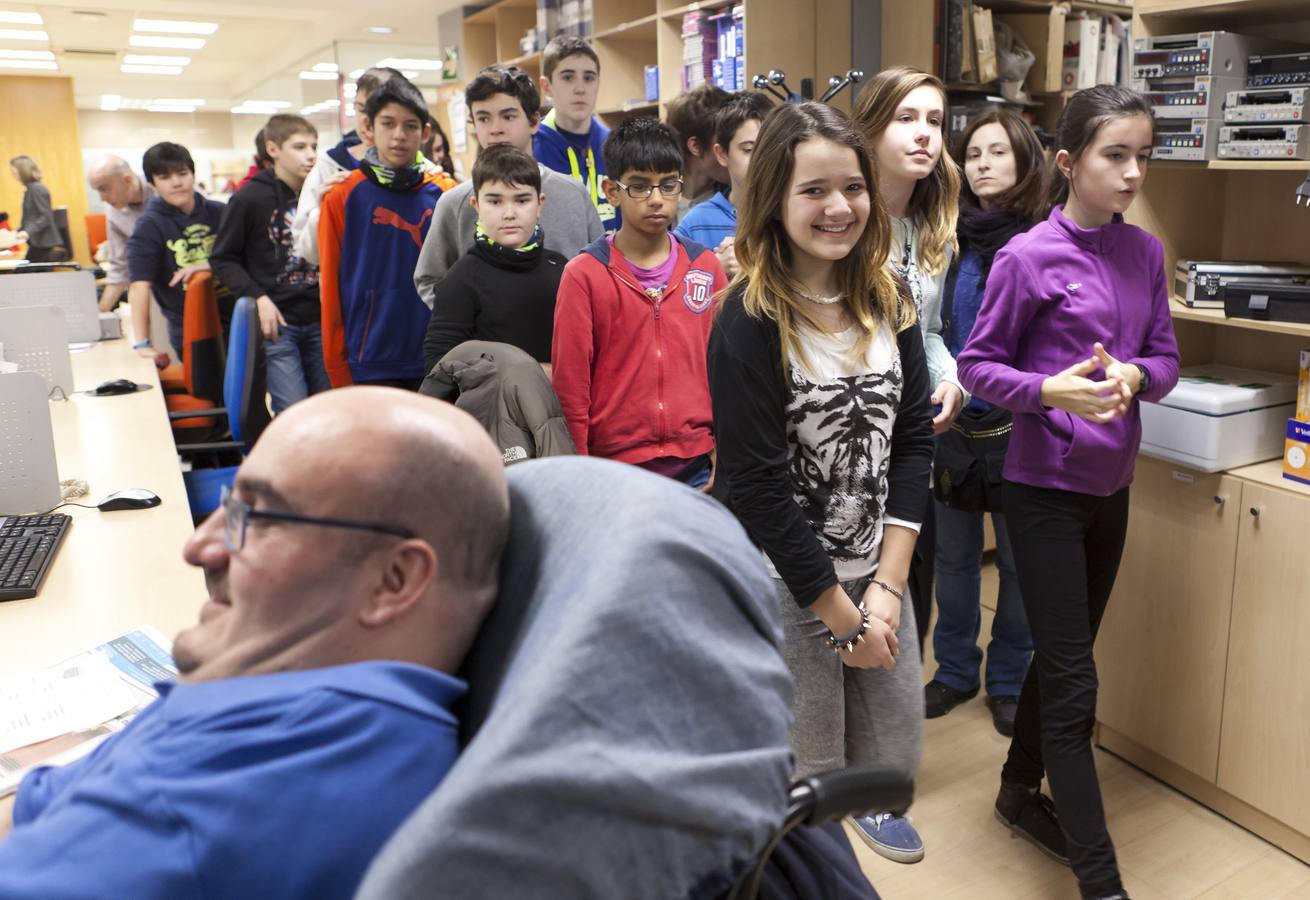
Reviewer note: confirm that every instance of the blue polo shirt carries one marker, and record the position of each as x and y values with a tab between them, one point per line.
708	223
273	786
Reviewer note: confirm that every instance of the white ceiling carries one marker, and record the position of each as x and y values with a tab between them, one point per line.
257	51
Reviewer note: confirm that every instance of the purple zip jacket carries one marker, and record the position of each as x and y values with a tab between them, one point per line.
1052	293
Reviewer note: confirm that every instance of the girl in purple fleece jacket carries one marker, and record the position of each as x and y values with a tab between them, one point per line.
1074	329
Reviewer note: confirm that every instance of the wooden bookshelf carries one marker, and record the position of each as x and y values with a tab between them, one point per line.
909	29
629	35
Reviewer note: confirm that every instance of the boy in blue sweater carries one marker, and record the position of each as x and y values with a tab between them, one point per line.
713	223
571	137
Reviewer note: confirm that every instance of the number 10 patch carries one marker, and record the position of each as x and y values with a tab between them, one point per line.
698	290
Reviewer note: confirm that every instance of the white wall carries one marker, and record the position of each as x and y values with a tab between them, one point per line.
212	137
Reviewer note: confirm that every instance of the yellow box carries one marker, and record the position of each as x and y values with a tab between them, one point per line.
1296	451
1303	388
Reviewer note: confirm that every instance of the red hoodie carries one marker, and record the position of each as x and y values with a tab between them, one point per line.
630	370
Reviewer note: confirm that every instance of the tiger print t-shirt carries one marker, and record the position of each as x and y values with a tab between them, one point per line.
840	414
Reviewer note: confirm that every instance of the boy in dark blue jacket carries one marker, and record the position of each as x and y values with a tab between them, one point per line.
571	138
370	232
714	222
171	241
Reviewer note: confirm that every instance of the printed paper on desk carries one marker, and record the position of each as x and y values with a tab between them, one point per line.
72	696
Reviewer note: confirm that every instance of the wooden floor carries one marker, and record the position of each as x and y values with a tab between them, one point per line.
1169	847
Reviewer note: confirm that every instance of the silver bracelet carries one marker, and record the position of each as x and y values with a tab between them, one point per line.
848	643
889	589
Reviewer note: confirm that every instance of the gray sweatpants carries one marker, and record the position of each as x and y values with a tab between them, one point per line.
851	717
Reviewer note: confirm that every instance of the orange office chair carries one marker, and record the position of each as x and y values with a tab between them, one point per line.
200	386
97	231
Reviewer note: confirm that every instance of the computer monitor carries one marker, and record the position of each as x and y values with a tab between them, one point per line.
74	292
29	477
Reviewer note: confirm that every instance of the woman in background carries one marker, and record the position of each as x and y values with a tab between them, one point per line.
38	229
1005	192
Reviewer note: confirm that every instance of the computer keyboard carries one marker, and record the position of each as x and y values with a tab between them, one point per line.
28	545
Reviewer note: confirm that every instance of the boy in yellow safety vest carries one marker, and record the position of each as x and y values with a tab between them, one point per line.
570	137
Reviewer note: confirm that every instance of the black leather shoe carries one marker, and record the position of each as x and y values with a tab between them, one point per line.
1030	814
939	699
1003	709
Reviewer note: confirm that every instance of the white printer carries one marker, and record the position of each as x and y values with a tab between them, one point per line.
1220	417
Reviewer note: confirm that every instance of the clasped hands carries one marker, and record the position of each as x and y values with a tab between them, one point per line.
1096	401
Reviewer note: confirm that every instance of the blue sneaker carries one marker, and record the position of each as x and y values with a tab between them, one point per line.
890	836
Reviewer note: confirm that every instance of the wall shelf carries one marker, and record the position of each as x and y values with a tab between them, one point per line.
708	5
1022	6
1180	310
1230	12
1270	473
627	109
1236	165
642	29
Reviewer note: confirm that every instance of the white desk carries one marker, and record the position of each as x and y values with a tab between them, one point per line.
115	570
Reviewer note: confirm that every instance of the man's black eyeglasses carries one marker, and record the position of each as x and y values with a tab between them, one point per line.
238	513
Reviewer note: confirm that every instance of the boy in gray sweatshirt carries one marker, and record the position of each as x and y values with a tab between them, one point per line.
504	105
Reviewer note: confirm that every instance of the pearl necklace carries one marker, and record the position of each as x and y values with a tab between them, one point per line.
822	301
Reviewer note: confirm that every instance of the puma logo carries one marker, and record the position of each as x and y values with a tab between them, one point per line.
387	217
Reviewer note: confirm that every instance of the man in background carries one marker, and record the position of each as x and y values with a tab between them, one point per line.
126	194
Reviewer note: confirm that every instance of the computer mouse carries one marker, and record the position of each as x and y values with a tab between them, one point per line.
117	386
132	498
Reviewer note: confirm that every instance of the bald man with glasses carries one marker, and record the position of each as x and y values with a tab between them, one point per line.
348	571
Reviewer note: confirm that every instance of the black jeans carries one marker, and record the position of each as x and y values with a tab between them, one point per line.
1067	548
920	576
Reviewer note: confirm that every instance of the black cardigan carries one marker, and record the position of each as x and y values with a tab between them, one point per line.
749	391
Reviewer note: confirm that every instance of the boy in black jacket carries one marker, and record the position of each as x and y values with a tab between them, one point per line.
254	257
504	288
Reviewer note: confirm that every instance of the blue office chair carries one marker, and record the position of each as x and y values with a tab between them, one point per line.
215	463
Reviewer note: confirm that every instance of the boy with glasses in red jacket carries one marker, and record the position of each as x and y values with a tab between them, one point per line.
632	320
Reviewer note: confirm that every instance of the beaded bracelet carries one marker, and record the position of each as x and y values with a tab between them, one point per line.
848	643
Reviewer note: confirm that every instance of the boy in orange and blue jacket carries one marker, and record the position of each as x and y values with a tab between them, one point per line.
370	231
632	320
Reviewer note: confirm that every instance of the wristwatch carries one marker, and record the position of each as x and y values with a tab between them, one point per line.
1144	383
141	345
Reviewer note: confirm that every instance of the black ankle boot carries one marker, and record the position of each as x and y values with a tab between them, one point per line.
1030	814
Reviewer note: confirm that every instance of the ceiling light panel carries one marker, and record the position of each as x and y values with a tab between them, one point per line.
166	43
150	70
174	26
20	18
28	64
26	54
139	59
22	34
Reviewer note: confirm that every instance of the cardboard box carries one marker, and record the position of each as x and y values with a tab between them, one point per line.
1296	451
1303	388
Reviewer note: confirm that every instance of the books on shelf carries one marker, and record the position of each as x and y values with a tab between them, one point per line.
1082	43
713	48
1073	50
